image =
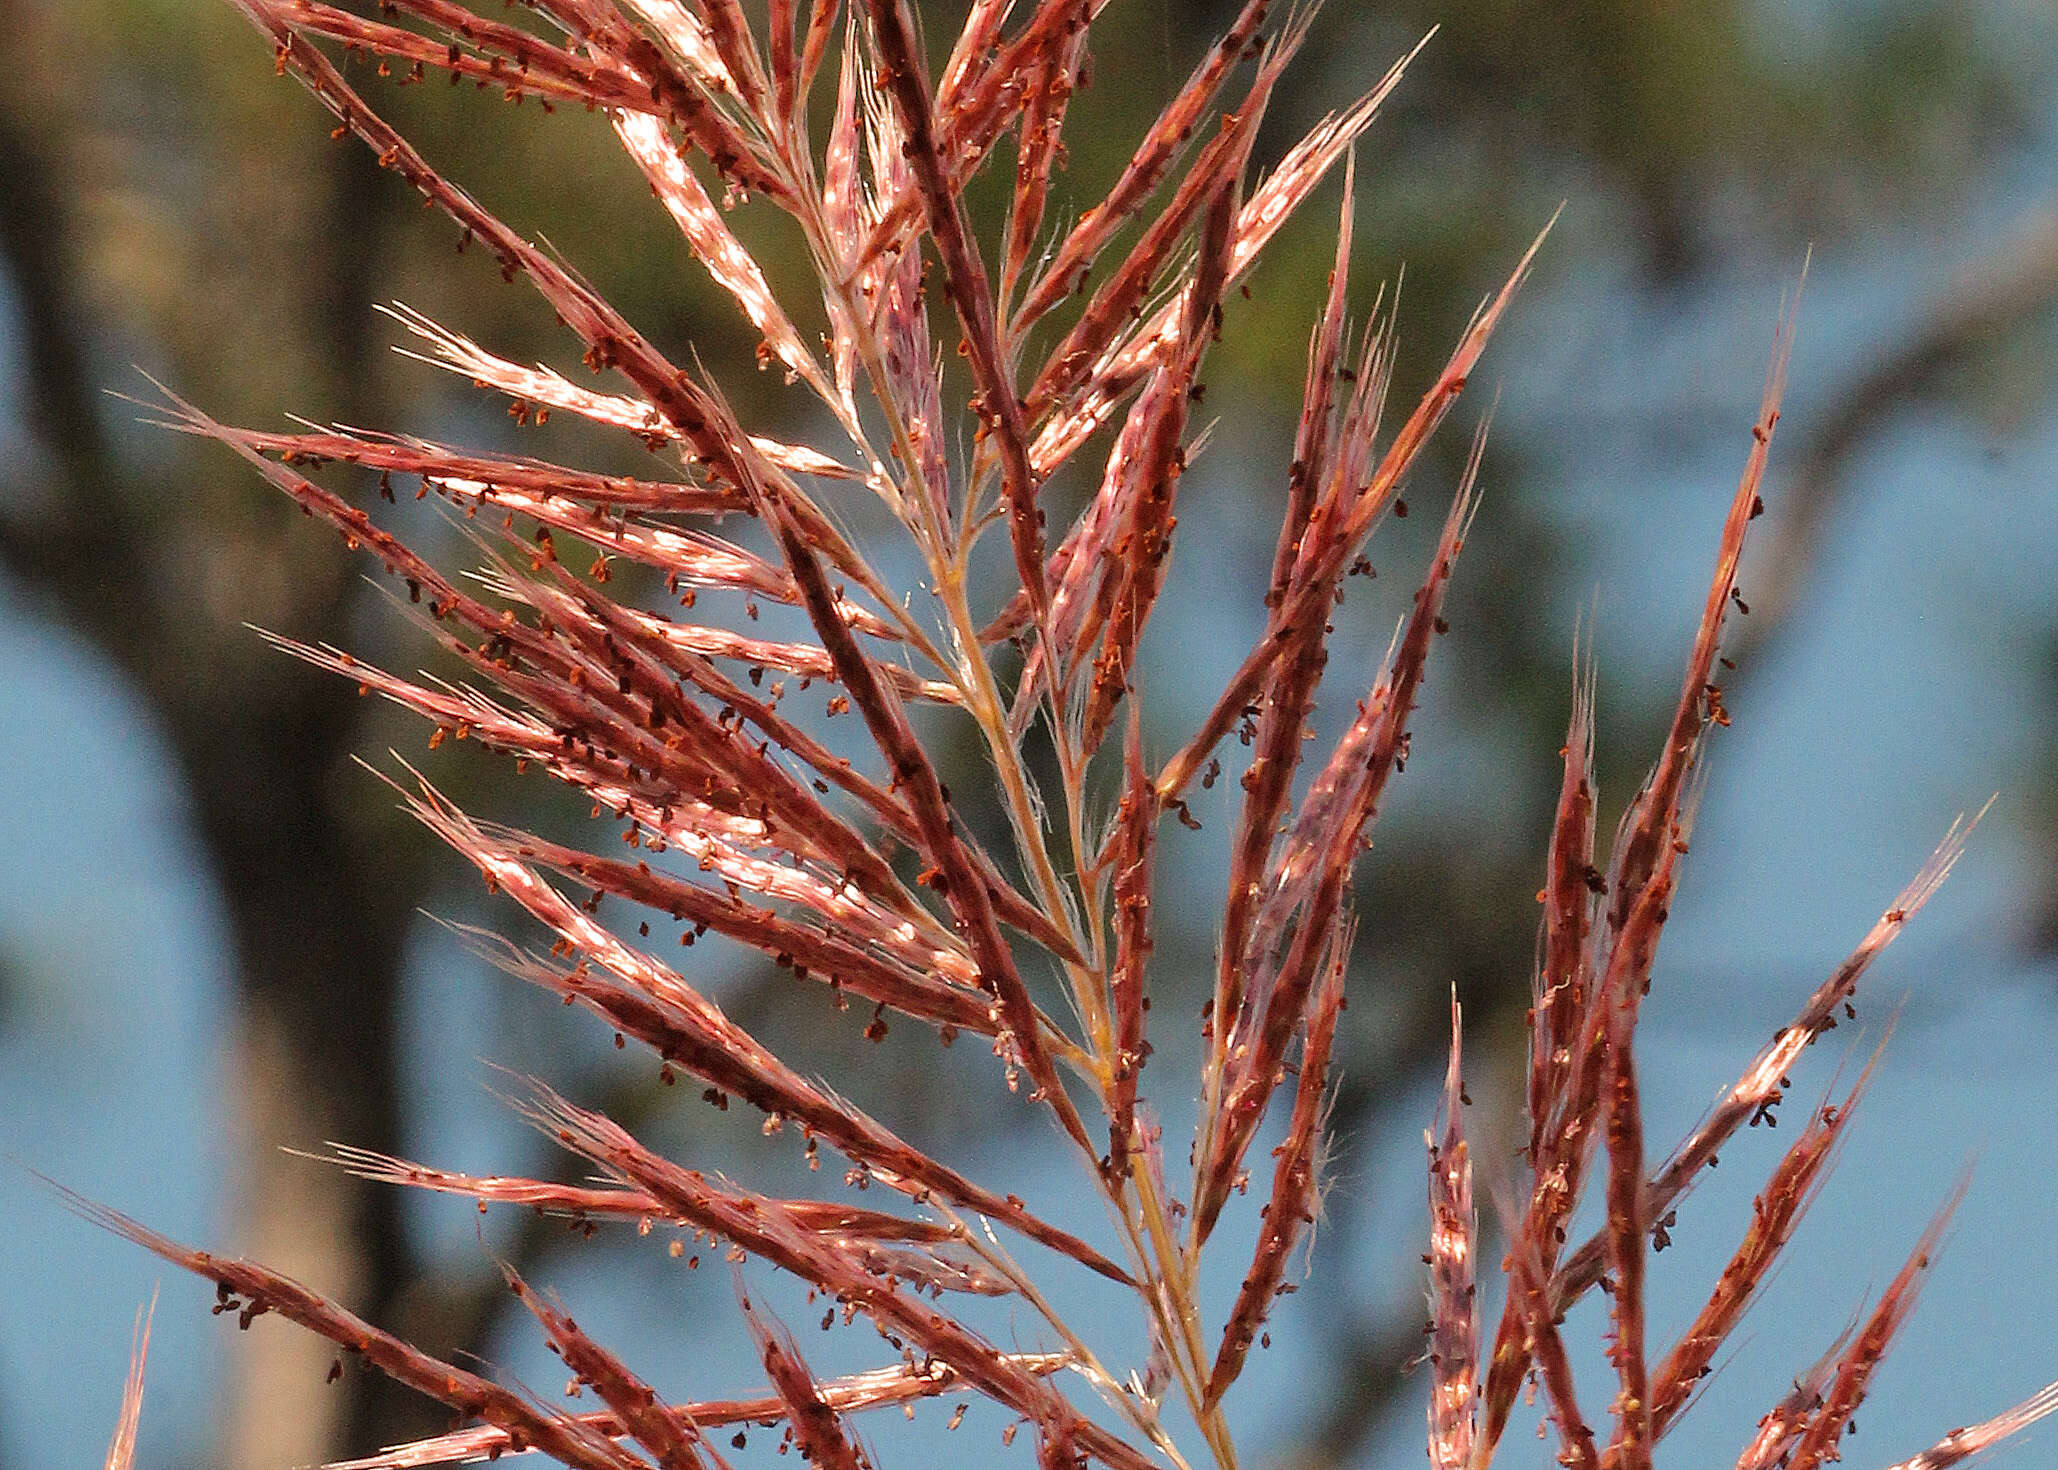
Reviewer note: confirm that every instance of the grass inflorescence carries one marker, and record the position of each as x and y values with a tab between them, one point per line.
955	377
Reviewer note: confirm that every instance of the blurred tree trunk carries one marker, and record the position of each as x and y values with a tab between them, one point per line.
317	891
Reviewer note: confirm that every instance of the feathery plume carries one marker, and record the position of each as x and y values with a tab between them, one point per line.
846	860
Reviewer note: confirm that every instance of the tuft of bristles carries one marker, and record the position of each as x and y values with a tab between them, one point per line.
598	642
121	1450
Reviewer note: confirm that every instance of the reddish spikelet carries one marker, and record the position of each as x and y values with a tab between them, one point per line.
1648	826
844	213
785	63
538	69
1304	165
698	94
978	112
646	140
121	1450
537	385
1290	692
252	1291
972	52
931	1271
1296	1185
729	29
817	1428
687	558
1571	901
1840	1400
1529	1292
1783	1423
1962	1444
1757	1089
1453	1300
577	1201
1265	208
1622	1121
671	1439
804	659
828	1218
466	715
1085	584
688	39
1115	305
1042	128
1317	426
468	472
1346	474
899	319
1344	795
821	24
1774	1214
1146	168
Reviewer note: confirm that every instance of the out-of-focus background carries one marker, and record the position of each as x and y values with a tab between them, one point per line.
212	941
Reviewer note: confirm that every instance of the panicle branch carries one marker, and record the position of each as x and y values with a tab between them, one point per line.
672	1439
897	1386
1840	1400
817	1427
249	1291
1296	1196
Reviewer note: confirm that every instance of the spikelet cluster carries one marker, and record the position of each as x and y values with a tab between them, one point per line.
957	375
